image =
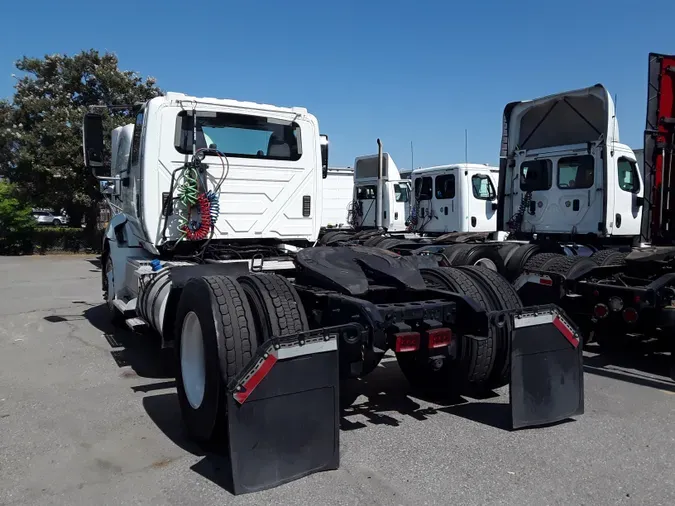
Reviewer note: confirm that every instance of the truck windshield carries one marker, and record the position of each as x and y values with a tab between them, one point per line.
239	135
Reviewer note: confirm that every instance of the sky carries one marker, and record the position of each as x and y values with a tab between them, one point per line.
419	73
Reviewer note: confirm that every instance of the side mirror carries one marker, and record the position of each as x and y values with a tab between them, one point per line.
92	143
324	156
109	187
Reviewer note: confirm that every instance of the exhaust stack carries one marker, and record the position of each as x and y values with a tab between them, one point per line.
380	186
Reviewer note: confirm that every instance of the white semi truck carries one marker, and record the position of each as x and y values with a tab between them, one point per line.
218	204
597	228
433	210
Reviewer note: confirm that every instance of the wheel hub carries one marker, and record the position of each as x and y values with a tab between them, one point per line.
487	263
192	361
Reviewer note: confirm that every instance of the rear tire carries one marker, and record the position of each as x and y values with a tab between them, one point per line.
539	261
609	257
475	254
276	305
215	308
516	258
501	296
374	241
474	362
569	266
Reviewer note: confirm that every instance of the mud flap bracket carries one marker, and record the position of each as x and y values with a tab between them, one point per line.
547	382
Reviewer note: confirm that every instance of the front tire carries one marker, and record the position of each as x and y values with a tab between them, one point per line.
215	340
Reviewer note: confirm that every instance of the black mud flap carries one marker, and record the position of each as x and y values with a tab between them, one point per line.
283	412
547	380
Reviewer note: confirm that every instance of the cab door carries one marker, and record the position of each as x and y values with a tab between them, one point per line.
578	205
628	189
481	195
399	197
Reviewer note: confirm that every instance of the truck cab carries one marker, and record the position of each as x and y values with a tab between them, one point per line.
264	164
454	198
395	199
564	171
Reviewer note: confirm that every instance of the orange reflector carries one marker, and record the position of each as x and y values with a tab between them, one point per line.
438	338
407	341
630	315
600	311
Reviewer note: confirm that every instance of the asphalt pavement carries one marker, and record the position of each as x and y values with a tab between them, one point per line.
89	416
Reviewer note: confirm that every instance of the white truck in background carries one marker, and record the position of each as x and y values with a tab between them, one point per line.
338	189
454	198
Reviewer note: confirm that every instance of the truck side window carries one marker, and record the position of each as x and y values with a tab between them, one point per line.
366	192
423	188
482	187
445	186
576	172
136	139
401	192
536	175
628	176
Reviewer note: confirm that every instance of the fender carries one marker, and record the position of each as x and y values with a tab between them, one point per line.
120	244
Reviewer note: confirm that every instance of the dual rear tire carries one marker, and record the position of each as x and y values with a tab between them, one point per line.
479	364
220	322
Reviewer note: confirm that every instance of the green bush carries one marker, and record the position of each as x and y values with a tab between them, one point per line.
65	239
16	223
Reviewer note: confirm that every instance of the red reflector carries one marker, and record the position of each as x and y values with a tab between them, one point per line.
256	378
596	293
566	331
407	341
545	281
630	315
600	311
438	338
636	299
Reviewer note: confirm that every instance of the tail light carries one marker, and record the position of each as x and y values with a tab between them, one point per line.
630	315
439	338
407	341
600	311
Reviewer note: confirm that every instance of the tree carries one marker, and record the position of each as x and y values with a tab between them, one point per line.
16	222
41	129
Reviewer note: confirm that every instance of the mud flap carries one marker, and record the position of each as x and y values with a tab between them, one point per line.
283	412
547	381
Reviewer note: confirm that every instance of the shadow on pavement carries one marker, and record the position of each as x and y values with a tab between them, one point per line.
141	352
645	364
215	465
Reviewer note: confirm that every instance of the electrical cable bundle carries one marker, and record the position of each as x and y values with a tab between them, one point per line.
199	207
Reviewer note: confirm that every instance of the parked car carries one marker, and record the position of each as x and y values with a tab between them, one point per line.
49	218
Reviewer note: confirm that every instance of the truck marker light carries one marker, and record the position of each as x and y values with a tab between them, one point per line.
600	311
407	341
630	315
439	338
